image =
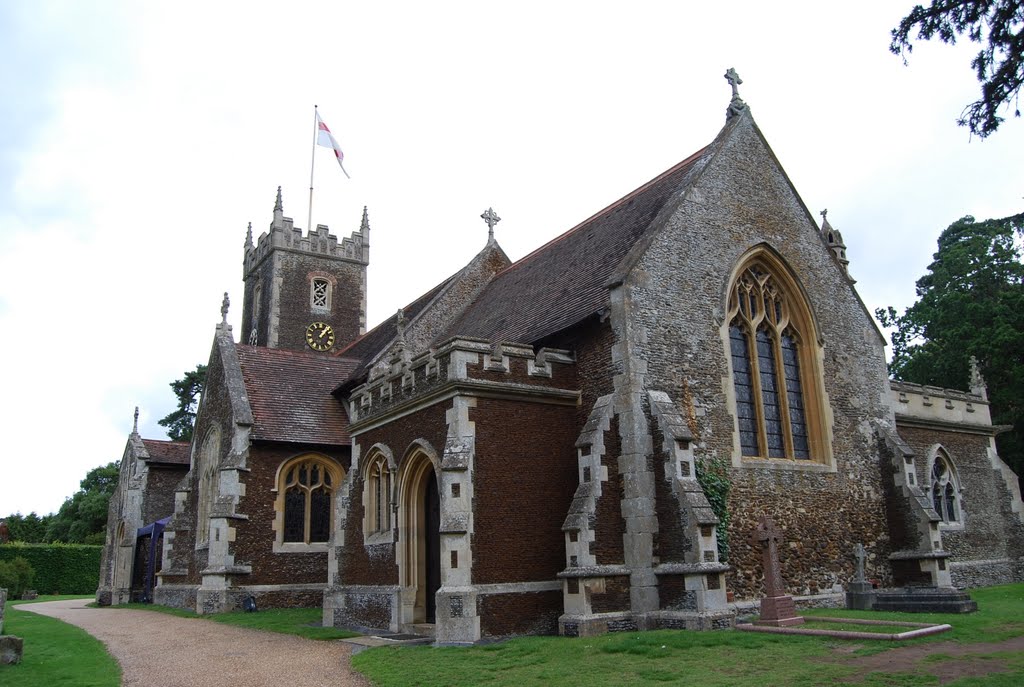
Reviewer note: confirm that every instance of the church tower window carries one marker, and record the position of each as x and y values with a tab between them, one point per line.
770	348
320	295
305	496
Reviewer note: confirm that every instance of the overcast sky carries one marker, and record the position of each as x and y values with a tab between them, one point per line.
137	140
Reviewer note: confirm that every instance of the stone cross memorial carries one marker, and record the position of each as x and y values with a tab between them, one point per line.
860	594
777	608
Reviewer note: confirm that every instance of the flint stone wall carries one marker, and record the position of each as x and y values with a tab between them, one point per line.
677	294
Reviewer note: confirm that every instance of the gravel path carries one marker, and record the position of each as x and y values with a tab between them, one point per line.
158	650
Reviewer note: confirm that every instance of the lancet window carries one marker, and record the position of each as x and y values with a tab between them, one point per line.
945	489
769	345
377	495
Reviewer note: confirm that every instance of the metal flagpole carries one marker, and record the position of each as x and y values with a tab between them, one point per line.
312	162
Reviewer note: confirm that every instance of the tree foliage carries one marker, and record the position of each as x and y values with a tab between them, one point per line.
180	423
998	25
16	576
83	517
30	528
970	304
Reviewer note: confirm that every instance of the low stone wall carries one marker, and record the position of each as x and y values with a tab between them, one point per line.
986	573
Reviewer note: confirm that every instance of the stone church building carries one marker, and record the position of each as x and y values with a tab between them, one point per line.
518	450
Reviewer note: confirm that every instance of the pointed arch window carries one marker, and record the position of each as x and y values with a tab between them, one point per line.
377	499
774	377
945	489
208	468
306	487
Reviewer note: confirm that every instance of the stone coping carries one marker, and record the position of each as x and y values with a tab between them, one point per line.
920	629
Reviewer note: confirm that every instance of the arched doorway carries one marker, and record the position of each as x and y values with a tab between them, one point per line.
419	537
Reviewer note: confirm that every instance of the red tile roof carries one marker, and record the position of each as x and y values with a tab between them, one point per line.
172	452
290	395
566	280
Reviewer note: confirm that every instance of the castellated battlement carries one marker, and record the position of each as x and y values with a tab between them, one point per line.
463	365
320	242
938	405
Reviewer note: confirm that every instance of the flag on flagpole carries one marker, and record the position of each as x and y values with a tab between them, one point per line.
325	138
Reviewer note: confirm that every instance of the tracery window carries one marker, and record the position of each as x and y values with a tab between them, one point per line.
377	496
208	465
770	339
320	294
945	488
305	495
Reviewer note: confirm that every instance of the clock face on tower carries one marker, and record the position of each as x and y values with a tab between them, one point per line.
320	336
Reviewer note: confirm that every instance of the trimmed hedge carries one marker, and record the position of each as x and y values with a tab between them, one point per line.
59	568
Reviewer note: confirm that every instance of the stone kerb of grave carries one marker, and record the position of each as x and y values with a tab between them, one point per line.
777	608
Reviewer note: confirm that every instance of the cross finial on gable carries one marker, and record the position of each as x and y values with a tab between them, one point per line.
135	426
736	105
491	217
225	304
824	214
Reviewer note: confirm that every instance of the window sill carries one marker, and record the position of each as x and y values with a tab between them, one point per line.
785	464
295	547
378	538
951	527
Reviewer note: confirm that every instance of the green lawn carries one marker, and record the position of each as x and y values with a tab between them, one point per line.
56	653
726	659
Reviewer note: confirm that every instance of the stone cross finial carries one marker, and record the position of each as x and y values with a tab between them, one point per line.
135	427
736	105
225	304
860	554
768	537
491	217
824	215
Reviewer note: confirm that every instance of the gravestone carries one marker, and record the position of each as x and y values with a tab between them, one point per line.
777	607
860	594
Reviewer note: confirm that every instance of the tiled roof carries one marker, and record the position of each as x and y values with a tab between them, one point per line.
290	395
173	452
367	346
566	280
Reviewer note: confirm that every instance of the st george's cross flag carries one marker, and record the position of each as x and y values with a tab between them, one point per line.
325	138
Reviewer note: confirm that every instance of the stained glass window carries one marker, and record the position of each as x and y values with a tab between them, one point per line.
944	488
765	350
307	501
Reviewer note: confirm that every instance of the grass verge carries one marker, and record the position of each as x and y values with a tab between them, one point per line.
708	659
56	653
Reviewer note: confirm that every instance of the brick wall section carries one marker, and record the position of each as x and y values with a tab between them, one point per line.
255	536
678	292
295	313
591	342
506	615
158	501
991	530
377	565
615	597
670	541
609	528
524	454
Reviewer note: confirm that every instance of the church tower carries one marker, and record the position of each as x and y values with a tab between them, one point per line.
304	293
